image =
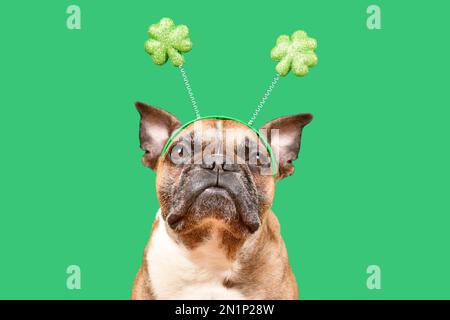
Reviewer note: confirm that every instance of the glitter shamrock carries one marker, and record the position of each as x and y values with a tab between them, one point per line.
295	52
168	41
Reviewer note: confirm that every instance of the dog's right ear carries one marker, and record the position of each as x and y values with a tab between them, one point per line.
156	127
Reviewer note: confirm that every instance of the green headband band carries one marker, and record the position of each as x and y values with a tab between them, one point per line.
260	136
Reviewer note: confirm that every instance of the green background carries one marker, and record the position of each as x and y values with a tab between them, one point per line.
371	184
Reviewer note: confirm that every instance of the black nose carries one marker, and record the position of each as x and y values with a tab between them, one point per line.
218	163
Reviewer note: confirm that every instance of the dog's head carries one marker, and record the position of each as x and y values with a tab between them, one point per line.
216	173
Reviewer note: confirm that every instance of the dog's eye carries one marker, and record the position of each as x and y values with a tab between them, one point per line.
255	158
180	150
180	153
258	159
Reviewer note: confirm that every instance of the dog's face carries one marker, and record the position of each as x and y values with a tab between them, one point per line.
216	173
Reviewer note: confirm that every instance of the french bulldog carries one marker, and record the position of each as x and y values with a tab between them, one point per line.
215	235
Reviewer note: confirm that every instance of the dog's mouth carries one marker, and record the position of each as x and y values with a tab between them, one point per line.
217	191
211	201
220	202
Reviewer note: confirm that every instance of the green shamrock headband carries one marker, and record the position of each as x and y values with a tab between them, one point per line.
168	41
296	53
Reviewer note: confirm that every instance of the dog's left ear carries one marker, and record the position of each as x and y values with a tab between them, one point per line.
284	135
156	127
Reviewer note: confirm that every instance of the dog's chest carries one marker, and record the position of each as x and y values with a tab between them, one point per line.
178	273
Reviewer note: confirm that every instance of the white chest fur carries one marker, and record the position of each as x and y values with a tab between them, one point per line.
178	273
